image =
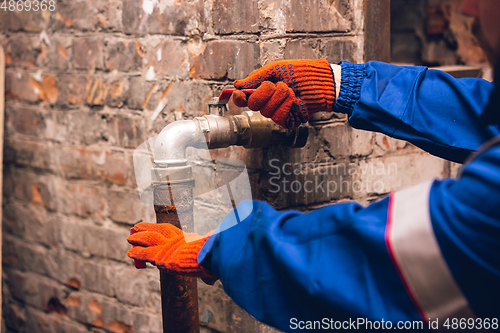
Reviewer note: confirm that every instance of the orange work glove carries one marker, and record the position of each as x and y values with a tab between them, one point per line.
289	91
167	247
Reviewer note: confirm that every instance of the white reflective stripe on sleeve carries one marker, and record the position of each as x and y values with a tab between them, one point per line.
415	251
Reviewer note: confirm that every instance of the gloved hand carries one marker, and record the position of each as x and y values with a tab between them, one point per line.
289	91
167	247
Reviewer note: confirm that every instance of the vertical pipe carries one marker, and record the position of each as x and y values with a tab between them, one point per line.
377	30
179	294
2	93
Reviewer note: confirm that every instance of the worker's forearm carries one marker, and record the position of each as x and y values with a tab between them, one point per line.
429	108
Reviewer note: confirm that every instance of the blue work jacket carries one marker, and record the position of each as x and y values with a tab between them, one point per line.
427	254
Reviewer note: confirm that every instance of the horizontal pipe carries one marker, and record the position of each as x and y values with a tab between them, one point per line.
249	129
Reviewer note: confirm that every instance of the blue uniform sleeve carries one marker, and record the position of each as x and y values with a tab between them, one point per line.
466	221
289	268
428	108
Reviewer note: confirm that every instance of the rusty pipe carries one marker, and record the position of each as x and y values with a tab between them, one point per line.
179	294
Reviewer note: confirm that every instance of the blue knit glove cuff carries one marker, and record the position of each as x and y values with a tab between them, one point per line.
350	86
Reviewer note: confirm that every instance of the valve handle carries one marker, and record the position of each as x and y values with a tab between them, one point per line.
226	94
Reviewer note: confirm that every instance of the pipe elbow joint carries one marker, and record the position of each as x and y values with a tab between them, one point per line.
249	129
171	143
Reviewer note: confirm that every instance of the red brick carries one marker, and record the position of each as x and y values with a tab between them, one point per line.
25	20
80	89
177	18
271	51
115	167
234	16
46	89
108	165
250	158
23	119
43	194
138	100
135	296
29	256
40	321
128	131
18	184
21	86
314	16
72	90
109	14
82	306
37	190
101	311
83	200
124	55
25	51
87	239
396	172
302	49
12	226
189	98
96	90
75	127
18	86
87	53
386	145
10	255
15	317
333	140
335	50
87	15
37	155
73	163
226	60
468	47
60	52
127	207
168	58
118	92
30	224
100	90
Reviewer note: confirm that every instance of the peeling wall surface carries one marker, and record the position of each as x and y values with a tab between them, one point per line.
90	80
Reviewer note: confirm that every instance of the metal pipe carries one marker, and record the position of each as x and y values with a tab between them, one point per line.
171	144
179	294
249	129
173	189
377	30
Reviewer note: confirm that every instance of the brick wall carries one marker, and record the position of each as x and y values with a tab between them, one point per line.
90	81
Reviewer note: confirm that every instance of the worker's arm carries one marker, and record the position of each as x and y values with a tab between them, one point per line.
384	261
429	108
426	107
